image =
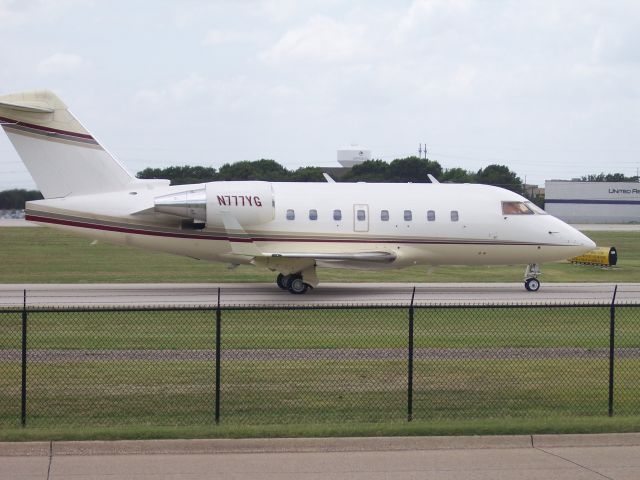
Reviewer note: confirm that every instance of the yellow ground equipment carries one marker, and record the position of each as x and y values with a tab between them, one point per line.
601	256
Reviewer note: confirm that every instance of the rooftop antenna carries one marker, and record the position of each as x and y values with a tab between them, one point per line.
422	150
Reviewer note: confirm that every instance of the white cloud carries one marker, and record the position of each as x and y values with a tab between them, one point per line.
616	44
423	14
279	10
225	37
61	64
14	13
321	39
177	93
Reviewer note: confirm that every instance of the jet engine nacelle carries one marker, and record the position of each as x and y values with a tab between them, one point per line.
250	203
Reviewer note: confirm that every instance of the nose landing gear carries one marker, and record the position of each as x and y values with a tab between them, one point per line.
531	282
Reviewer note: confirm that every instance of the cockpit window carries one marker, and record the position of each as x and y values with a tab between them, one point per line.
536	209
516	208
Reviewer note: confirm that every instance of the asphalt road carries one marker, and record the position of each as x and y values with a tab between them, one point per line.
260	294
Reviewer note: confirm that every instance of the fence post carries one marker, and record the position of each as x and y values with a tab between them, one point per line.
410	362
218	325
23	407
612	340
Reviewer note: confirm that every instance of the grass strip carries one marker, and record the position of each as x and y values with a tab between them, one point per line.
497	426
292	392
544	327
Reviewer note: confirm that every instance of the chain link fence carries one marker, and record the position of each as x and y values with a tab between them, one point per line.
278	365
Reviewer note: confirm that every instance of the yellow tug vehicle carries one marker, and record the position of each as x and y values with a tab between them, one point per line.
601	257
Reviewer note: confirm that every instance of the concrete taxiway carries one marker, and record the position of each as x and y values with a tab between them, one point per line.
263	294
16	222
613	456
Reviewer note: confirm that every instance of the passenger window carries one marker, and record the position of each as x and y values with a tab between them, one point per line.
454	216
431	215
291	215
384	215
313	214
407	215
337	214
361	215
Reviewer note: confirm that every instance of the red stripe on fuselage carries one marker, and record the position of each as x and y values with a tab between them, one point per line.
139	231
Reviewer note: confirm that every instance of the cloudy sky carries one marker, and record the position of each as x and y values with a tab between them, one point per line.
549	88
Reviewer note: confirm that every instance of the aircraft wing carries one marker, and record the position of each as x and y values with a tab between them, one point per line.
242	244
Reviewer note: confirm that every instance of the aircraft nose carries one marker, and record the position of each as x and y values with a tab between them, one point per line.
579	239
590	244
584	241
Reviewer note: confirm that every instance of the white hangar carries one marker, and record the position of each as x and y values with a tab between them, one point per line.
593	202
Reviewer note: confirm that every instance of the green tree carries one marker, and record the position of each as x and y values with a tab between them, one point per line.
306	174
401	170
457	175
367	171
262	169
181	175
15	199
413	169
608	177
500	176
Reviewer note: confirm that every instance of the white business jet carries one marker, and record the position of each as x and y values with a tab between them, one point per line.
289	228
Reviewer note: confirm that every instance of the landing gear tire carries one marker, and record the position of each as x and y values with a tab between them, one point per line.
532	284
297	286
282	281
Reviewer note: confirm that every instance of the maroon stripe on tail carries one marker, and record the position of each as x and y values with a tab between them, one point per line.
45	129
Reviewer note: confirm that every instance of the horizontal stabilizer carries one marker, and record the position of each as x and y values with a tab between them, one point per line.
63	158
31	107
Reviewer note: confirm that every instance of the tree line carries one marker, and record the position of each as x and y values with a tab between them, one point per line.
608	177
15	199
402	170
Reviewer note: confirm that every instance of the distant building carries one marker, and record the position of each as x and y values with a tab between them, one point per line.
593	202
532	191
353	155
347	158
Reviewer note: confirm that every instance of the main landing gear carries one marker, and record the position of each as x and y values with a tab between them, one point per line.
294	283
531	282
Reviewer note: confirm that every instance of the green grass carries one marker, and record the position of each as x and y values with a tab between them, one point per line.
577	327
43	255
174	393
509	426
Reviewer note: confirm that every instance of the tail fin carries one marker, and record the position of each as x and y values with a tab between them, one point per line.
61	155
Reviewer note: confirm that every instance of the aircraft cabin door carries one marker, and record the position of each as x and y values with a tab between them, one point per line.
361	218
